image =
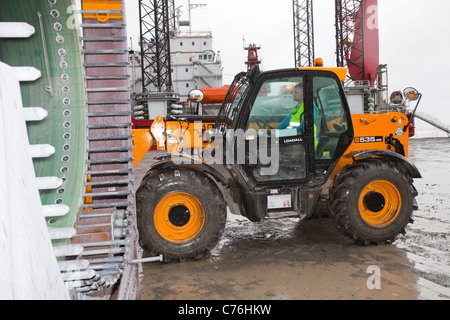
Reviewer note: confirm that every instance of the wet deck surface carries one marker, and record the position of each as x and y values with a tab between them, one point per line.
293	259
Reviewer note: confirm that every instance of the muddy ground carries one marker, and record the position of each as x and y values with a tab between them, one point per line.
294	260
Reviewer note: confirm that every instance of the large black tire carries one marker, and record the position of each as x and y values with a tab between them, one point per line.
372	201
181	214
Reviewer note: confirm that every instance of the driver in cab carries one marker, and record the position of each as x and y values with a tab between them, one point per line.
297	117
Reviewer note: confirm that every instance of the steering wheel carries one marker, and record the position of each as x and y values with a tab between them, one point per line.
263	124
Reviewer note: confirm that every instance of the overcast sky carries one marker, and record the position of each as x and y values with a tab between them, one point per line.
414	40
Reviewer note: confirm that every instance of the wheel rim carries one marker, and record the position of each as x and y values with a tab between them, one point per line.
179	217
379	203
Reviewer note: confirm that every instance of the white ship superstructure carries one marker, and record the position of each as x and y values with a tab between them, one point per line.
194	63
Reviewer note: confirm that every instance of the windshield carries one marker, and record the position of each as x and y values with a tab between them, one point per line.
233	102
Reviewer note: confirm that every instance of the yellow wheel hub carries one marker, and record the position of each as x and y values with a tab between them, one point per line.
379	203
179	217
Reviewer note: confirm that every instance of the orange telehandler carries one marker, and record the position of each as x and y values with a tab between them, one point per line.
250	163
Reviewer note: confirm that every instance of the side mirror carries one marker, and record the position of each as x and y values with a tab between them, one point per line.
253	73
411	94
196	95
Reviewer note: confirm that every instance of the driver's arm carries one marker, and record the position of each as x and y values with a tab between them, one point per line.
285	123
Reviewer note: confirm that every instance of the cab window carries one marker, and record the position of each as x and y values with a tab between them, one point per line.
274	104
271	116
332	120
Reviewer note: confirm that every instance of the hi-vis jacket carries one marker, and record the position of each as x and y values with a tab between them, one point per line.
297	120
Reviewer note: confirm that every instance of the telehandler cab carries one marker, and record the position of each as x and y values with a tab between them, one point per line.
260	169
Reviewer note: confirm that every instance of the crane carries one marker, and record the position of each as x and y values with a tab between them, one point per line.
357	44
252	57
357	41
303	33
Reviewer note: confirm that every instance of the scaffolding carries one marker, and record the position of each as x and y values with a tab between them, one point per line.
155	22
303	33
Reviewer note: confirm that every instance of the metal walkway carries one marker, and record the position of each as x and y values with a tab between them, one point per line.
76	100
433	121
